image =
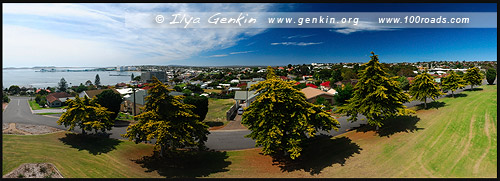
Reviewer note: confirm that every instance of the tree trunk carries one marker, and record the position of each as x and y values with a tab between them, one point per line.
376	128
425	103
83	131
452	94
162	147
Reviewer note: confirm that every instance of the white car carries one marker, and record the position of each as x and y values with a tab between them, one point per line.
240	111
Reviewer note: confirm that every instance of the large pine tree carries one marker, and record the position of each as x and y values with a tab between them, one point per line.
473	77
424	87
168	120
376	95
452	82
280	118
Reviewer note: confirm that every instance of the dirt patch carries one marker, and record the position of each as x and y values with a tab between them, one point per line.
4	106
263	164
27	129
35	170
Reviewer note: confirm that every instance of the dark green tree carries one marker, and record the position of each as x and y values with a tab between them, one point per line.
132	77
63	85
473	77
168	120
201	103
344	93
404	83
491	75
376	95
280	118
14	89
97	81
424	87
111	101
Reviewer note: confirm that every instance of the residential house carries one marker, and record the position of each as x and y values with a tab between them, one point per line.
57	99
245	97
325	86
91	93
312	95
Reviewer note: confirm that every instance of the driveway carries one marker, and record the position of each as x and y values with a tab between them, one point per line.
18	111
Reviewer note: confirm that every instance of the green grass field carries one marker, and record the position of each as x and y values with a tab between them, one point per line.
456	138
217	109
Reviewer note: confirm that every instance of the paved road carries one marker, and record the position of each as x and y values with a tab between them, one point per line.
18	111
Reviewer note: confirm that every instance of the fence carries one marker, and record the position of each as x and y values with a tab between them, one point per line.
231	113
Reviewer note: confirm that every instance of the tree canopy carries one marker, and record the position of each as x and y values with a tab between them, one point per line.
491	75
63	85
424	87
280	118
452	82
87	114
473	77
376	95
97	81
111	101
201	103
168	120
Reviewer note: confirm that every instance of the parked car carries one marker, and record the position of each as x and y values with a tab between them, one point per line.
240	111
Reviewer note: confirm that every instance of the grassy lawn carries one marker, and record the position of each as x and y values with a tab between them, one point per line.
217	109
125	117
76	157
35	106
212	90
458	138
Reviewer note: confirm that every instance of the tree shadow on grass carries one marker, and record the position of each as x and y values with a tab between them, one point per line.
392	126
433	104
186	163
474	89
318	153
214	123
94	144
457	95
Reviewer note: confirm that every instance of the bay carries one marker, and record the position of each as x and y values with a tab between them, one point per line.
29	77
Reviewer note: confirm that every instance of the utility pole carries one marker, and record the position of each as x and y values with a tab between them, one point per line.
133	90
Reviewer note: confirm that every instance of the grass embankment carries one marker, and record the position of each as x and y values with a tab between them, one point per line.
212	90
457	138
35	106
76	157
217	109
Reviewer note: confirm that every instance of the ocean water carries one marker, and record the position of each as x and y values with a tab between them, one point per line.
31	78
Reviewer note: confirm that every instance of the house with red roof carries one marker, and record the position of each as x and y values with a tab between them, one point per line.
58	98
311	85
325	85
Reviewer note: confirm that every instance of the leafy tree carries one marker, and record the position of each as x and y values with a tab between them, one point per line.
376	95
473	77
344	93
63	85
424	87
201	103
178	88
111	101
168	120
38	98
138	78
81	88
5	98
348	74
491	75
280	118
404	83
132	77
87	114
88	83
42	102
336	76
97	80
14	89
187	92
452	82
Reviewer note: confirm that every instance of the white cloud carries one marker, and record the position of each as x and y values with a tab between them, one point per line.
215	56
234	53
299	36
361	26
297	43
58	32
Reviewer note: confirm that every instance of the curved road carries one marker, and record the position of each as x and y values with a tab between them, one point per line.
18	111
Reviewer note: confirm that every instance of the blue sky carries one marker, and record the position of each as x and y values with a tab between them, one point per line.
95	35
